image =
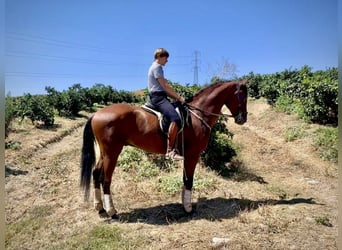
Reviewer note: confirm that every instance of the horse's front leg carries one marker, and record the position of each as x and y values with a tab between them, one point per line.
188	179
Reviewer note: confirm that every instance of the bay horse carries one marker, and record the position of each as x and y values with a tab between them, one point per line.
121	124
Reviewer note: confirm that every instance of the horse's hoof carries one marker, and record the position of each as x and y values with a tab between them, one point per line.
188	210
114	218
103	213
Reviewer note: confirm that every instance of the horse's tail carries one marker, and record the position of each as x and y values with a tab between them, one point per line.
88	158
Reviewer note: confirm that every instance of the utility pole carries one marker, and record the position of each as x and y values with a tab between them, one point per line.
196	53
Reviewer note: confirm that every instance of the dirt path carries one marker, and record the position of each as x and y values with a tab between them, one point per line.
295	207
43	192
294	172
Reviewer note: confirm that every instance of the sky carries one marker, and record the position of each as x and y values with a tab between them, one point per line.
60	43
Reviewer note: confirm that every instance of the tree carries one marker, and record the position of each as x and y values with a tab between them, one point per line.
223	70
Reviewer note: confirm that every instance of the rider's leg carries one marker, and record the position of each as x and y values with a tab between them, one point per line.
164	106
171	152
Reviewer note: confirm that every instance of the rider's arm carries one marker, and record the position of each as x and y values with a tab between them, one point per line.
169	90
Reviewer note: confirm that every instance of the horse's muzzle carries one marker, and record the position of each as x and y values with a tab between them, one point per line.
241	118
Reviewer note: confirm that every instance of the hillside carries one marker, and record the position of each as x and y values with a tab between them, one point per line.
283	196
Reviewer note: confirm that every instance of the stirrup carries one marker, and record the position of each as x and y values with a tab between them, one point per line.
173	155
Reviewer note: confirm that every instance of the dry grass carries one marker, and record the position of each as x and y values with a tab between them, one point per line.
282	195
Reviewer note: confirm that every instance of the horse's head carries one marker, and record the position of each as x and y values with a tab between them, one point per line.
238	103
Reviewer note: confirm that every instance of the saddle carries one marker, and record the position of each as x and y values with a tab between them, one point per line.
164	122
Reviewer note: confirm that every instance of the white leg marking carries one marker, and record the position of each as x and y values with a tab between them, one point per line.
108	205
186	200
97	199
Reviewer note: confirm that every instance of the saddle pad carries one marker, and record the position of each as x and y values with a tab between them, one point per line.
164	123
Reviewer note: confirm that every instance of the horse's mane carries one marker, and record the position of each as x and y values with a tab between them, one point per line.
212	86
208	88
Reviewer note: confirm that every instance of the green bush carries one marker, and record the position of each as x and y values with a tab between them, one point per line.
289	105
321	101
10	113
327	141
254	81
220	149
269	88
312	95
70	102
36	108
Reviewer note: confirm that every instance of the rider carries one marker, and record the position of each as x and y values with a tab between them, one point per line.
159	90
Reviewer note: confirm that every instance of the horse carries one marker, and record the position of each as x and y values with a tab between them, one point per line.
122	124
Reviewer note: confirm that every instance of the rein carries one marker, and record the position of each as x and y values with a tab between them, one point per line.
200	118
207	112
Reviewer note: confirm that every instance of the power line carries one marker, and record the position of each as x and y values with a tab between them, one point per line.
49	41
48	57
57	58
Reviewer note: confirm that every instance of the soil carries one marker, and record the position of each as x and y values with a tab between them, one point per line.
282	197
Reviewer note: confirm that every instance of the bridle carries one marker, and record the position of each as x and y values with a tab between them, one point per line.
238	117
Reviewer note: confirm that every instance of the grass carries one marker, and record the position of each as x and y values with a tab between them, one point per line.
103	237
206	182
326	139
290	106
28	226
323	220
14	145
295	132
170	184
141	165
277	191
23	229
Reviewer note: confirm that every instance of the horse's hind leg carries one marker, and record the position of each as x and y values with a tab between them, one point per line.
98	179
109	162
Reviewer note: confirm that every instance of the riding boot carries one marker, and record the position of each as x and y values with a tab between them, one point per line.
171	152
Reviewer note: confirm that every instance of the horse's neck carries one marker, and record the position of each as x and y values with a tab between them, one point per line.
211	101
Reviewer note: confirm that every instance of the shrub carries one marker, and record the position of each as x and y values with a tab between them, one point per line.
269	88
36	108
312	95
74	100
10	113
220	149
253	82
321	101
290	105
326	140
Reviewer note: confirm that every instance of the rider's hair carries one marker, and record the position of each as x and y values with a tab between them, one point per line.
160	52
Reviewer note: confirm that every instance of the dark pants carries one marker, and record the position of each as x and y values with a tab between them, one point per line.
163	105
